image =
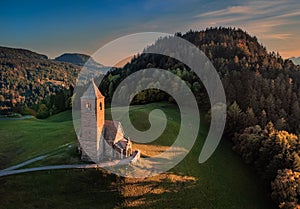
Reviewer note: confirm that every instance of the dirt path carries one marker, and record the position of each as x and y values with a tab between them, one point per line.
44	168
25	163
12	171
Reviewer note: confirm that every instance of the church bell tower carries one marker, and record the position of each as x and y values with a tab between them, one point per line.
92	123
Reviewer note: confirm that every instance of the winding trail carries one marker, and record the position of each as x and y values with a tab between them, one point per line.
11	171
25	163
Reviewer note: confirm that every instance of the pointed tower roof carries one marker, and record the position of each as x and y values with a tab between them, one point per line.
92	92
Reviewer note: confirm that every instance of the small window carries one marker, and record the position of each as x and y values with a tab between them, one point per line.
88	106
100	106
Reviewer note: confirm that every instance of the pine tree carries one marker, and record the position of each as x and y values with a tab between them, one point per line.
296	162
234	119
250	119
263	118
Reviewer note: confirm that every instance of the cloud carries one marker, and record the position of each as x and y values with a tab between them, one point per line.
254	10
291	14
249	9
227	11
282	36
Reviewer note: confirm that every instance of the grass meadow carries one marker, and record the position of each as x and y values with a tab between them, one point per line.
224	181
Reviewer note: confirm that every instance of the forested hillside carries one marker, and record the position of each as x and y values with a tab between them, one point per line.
28	79
263	97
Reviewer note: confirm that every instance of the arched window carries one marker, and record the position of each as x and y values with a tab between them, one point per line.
129	152
100	106
88	106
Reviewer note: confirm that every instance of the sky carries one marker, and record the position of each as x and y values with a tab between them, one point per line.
54	27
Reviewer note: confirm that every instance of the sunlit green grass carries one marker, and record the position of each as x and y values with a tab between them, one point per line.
24	139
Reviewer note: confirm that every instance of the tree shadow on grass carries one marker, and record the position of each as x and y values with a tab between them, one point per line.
161	191
60	189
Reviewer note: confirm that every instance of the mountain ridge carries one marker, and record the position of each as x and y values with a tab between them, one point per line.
10	53
295	60
78	59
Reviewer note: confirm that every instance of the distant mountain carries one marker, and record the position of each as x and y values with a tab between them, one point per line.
83	60
295	60
78	59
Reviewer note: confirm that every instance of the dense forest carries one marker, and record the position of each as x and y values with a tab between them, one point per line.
263	98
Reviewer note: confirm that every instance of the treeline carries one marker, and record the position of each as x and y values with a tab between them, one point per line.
275	155
263	97
52	104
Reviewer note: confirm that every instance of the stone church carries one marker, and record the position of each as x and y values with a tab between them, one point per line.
99	139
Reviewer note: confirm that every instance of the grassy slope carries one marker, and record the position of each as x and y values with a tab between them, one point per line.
25	139
223	182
